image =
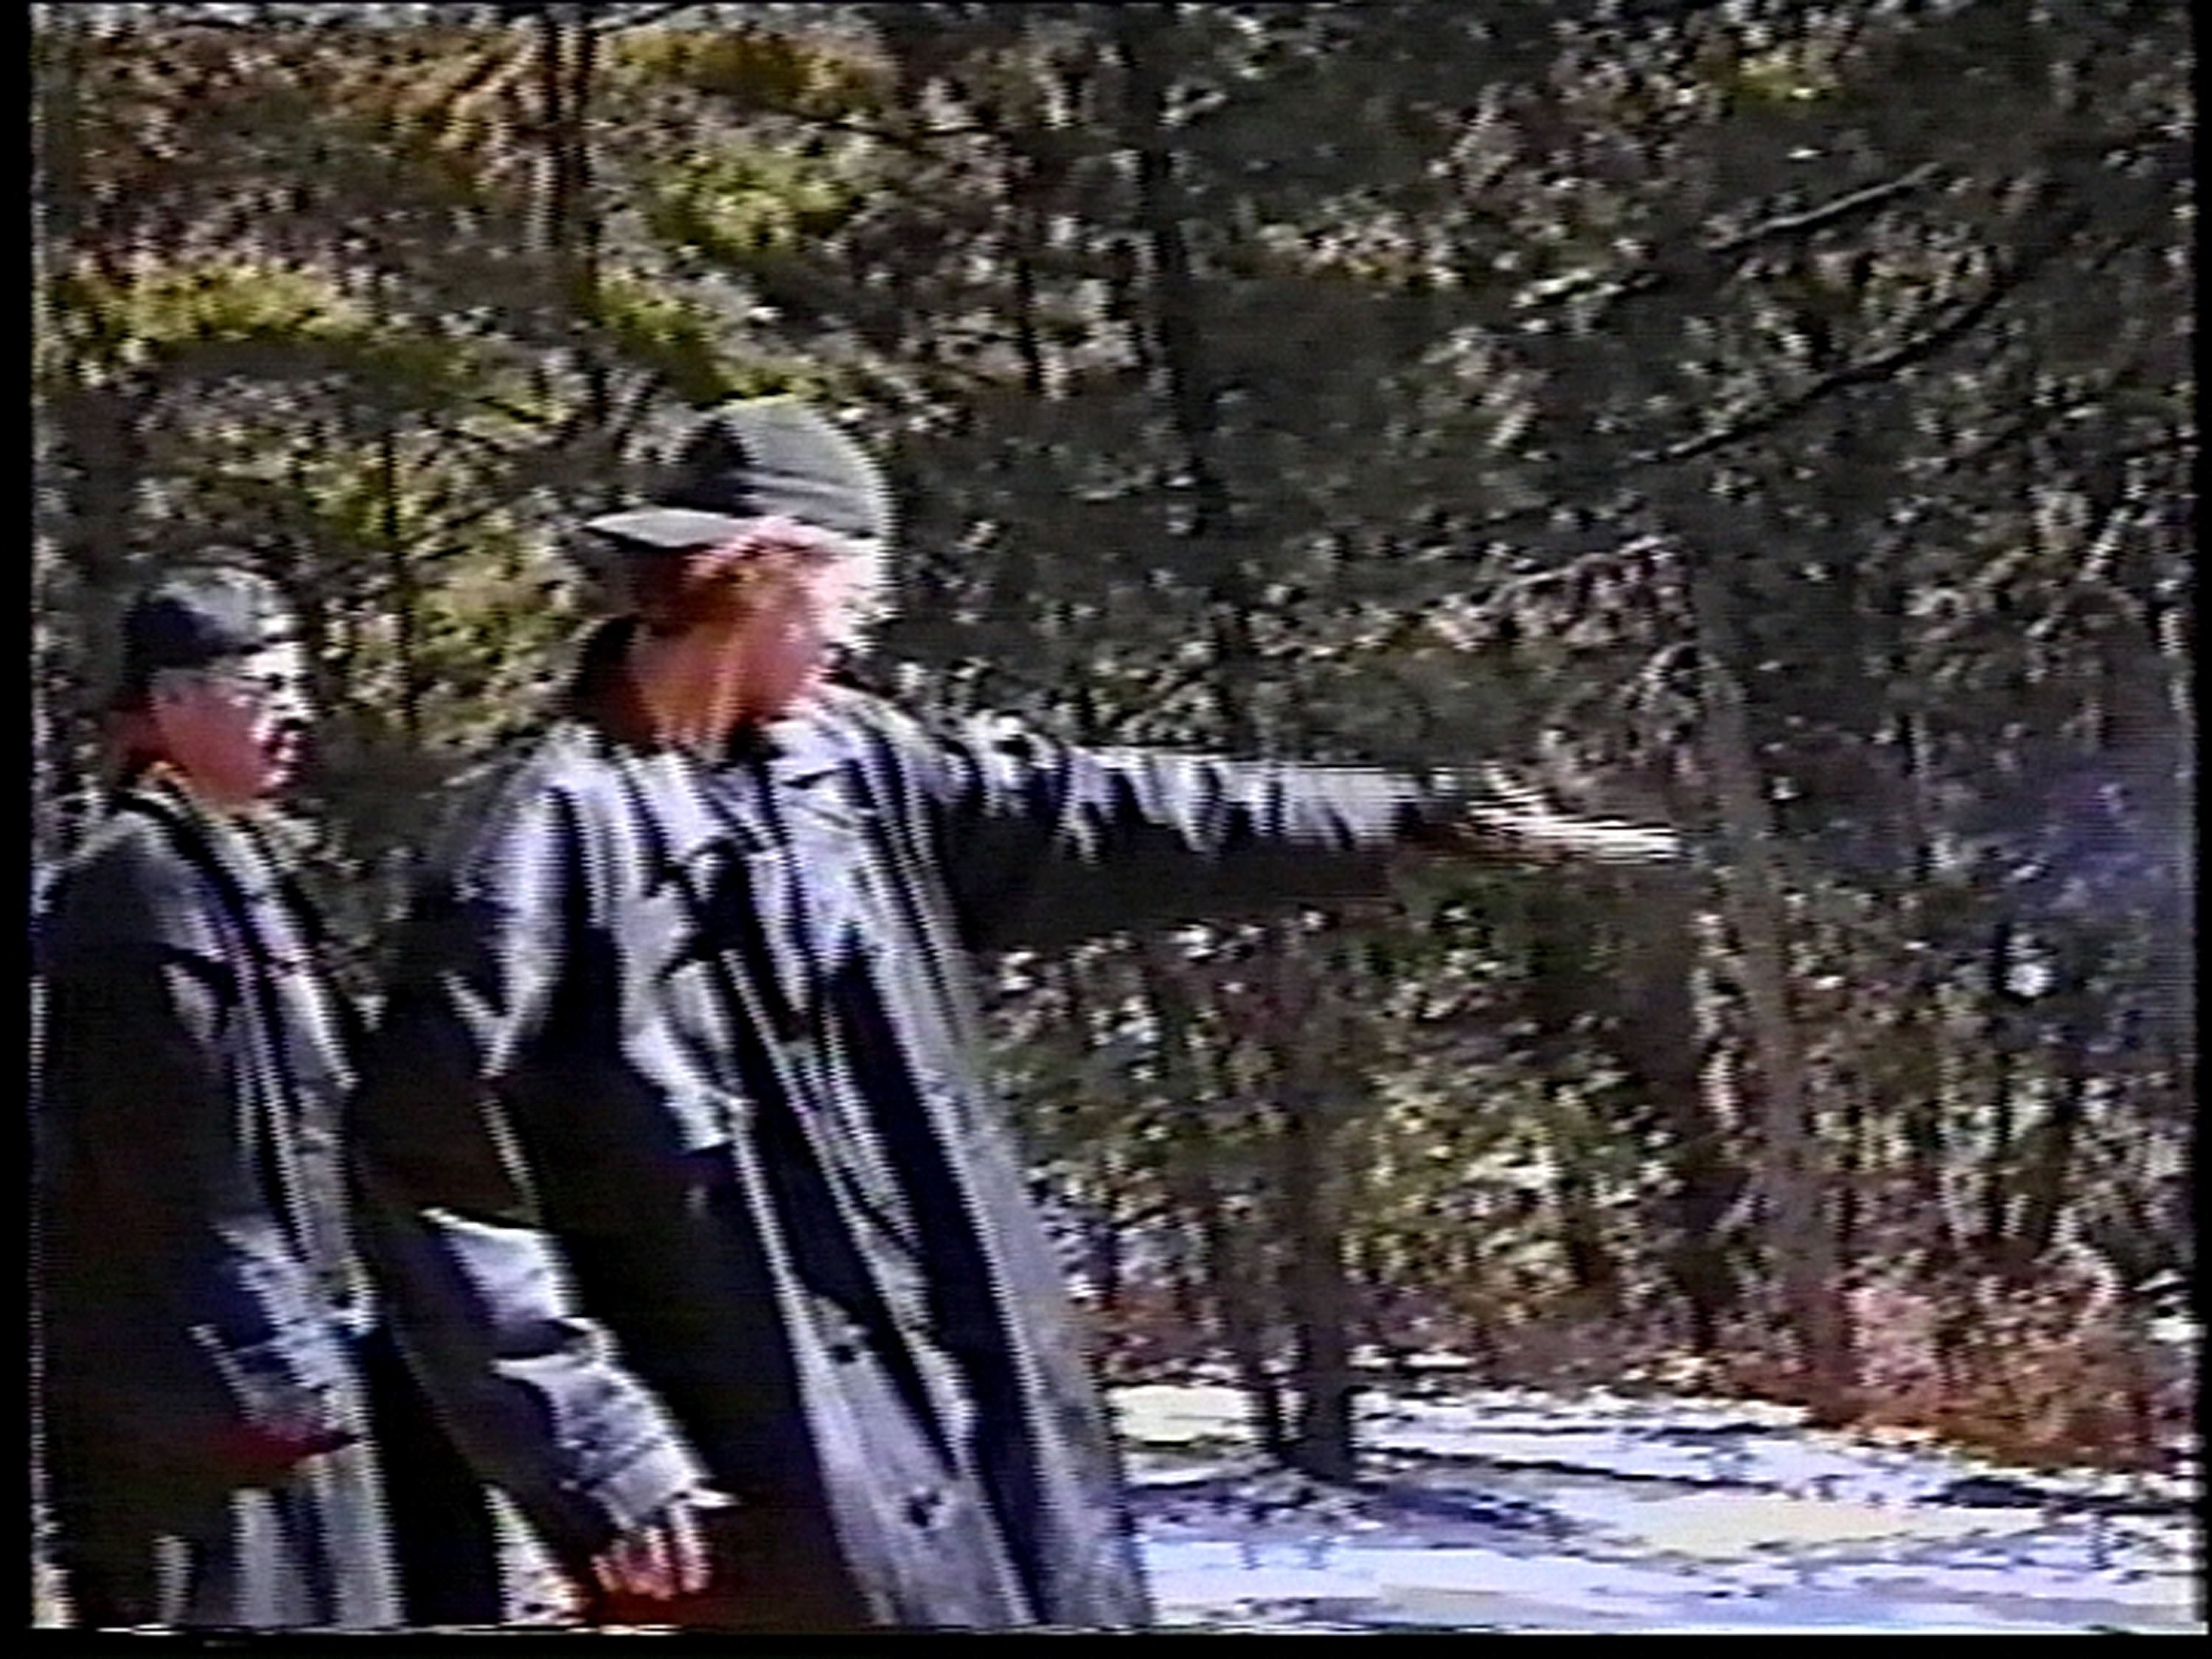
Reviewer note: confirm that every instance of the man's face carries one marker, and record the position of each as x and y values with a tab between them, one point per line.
238	729
805	616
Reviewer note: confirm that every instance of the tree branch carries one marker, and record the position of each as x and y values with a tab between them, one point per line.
1828	213
644	17
1882	365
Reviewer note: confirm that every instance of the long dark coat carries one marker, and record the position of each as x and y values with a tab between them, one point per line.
206	1412
682	1168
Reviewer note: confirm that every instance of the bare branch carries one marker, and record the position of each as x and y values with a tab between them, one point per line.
1705	261
1868	371
644	17
1829	213
2022	270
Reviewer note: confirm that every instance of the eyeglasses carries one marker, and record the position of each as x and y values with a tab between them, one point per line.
270	684
262	688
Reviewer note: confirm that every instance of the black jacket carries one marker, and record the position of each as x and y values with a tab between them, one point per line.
200	1297
681	1167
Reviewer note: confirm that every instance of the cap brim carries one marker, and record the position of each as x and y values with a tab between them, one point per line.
668	528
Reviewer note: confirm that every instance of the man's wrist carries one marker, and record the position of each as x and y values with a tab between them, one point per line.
646	1484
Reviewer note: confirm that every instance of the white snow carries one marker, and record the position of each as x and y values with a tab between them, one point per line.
1514	1510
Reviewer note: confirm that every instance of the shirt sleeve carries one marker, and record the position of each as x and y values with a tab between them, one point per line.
480	1295
1044	841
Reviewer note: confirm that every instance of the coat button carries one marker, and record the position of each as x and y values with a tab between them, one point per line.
845	1340
921	1507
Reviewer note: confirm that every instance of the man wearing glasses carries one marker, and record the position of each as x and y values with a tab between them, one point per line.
695	1211
217	1382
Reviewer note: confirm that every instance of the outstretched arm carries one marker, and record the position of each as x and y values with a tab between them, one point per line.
1044	841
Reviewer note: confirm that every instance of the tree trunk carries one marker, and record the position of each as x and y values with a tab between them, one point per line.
1145	51
567	61
2147	742
1140	34
401	590
1919	1041
1233	1282
2045	1180
2000	1031
1186	1277
1719	1060
324	635
1557	957
1232	1279
99	458
1801	1230
1851	1191
1024	233
1321	1292
1590	1268
2174	966
1654	1036
1320	1297
1105	1229
99	432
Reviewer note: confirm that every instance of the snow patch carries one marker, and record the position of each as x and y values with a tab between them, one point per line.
1509	1509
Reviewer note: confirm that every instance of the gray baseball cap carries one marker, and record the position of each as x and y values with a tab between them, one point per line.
194	617
768	458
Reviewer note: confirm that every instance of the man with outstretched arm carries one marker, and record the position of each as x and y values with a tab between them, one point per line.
696	1211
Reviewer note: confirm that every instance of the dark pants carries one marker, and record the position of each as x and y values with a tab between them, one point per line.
443	1538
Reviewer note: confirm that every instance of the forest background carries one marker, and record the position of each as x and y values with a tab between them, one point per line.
1777	419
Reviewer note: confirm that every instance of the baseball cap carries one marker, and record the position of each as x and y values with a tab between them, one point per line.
196	616
764	458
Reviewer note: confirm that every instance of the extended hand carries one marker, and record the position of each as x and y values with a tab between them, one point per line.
665	1555
1512	823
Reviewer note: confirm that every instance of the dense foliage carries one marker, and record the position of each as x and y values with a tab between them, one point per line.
1775	418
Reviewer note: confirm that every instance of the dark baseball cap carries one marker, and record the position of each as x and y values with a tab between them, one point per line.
194	617
766	458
